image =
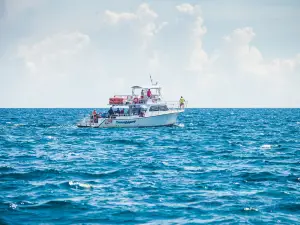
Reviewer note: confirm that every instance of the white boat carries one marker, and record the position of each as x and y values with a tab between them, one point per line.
136	110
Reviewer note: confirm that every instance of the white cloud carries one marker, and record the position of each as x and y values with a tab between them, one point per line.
144	12
114	18
70	67
186	8
147	26
52	51
248	58
241	77
199	59
144	17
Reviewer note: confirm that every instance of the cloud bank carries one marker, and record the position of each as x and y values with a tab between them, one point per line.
64	67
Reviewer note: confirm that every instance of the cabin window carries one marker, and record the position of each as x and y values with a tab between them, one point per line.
163	108
154	108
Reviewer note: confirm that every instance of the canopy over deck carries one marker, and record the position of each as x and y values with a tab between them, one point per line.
155	88
146	87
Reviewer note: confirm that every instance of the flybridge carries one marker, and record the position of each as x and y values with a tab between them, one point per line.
138	98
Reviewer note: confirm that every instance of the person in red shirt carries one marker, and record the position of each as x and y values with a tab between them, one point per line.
95	116
149	93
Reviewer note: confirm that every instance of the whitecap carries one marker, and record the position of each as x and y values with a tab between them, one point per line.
266	146
19	124
250	209
78	184
179	125
13	205
191	168
165	163
51	137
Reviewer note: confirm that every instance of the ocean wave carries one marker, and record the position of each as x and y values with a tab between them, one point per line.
80	185
250	209
266	146
36	174
222	166
181	125
125	142
289	207
259	176
57	204
13	205
4	169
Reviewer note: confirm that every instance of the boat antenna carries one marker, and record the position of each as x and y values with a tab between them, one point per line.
152	81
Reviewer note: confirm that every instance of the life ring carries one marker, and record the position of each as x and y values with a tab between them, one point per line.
135	100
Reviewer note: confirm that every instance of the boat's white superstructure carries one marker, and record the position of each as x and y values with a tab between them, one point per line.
136	110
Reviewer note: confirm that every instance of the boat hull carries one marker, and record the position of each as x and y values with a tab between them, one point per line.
166	119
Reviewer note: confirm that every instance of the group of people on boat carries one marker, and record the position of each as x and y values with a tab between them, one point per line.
118	112
149	94
143	97
95	116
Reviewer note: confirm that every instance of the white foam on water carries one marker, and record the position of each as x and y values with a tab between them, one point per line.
78	184
191	168
266	146
19	125
51	137
250	209
165	163
179	125
13	205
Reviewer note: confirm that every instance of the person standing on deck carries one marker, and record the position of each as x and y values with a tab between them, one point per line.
142	96
95	116
118	111
142	93
181	102
149	93
110	112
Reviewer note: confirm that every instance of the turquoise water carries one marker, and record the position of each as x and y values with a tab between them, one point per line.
218	166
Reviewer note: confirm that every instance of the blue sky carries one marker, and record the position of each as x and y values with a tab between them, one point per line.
234	53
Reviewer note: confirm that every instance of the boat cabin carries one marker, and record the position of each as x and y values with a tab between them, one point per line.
138	109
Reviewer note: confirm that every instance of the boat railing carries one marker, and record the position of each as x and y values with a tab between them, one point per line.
175	105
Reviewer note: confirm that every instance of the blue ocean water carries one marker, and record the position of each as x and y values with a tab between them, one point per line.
217	166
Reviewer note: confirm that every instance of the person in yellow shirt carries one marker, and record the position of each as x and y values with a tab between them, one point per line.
181	102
